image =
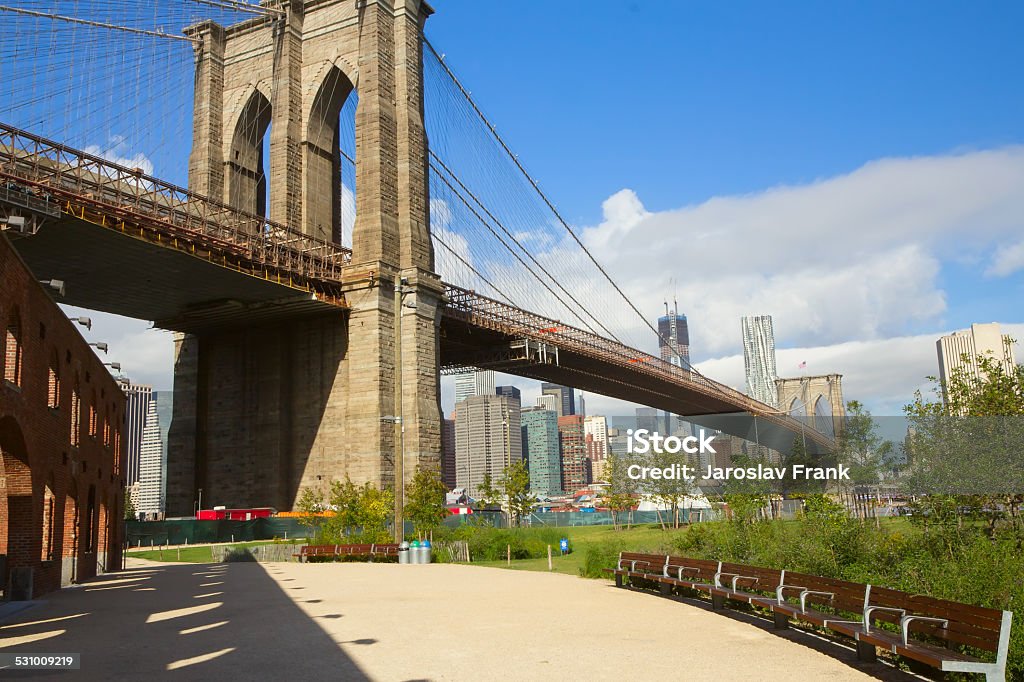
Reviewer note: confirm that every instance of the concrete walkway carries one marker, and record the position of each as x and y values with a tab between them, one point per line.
248	621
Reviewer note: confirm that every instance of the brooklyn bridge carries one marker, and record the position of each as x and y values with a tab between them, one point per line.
354	226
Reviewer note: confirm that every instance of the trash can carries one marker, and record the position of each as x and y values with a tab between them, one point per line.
425	551
403	552
414	552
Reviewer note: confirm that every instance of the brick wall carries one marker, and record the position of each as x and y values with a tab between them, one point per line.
39	461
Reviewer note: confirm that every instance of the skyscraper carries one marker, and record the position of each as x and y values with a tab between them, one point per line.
980	339
541	449
488	438
549	402
574	452
759	358
151	464
136	409
595	432
448	452
674	337
509	392
565	395
469	384
164	410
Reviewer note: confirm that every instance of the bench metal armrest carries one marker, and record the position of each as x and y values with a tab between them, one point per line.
906	620
632	565
680	569
718	577
736	577
871	609
781	589
803	598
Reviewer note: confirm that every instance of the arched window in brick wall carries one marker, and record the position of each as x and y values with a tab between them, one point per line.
49	510
53	390
13	350
93	416
76	414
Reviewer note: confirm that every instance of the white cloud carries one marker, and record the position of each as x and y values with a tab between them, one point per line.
1007	260
853	257
146	354
118	151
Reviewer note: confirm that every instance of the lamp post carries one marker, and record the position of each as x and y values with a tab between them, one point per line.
100	346
400	291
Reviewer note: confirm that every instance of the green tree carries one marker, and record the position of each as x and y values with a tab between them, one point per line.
669	492
425	500
129	505
620	495
310	505
374	508
860	448
487	495
966	443
514	487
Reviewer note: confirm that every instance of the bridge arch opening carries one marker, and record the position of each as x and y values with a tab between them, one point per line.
795	408
329	164
823	416
248	158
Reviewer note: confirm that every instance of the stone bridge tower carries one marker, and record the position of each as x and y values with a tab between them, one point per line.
262	410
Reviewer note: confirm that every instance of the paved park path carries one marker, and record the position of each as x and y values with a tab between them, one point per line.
246	621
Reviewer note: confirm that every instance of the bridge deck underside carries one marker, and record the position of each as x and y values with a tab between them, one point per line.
470	346
116	273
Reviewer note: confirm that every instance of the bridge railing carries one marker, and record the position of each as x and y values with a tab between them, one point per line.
56	170
492	314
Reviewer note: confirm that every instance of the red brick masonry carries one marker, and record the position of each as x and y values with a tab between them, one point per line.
61	420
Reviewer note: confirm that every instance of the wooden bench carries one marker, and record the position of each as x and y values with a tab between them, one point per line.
635	565
917	627
927	629
693	574
370	551
742	583
837	605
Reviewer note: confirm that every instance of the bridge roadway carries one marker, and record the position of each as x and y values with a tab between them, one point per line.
133	245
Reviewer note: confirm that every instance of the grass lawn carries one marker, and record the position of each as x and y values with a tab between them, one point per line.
642	538
192	553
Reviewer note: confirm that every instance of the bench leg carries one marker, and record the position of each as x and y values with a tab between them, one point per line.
866	652
717	602
781	620
665	588
618	580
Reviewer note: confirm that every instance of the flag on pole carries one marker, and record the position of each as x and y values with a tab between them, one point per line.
803	364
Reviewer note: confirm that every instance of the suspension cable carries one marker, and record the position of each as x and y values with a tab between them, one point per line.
97	24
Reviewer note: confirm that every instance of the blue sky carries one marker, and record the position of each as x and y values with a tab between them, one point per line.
687	100
854	169
688	104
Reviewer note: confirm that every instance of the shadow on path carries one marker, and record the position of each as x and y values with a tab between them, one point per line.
161	622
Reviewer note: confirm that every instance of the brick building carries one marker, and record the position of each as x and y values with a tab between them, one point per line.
61	425
574	452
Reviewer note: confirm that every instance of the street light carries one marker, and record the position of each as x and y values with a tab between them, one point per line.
56	284
100	345
401	289
116	366
84	321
